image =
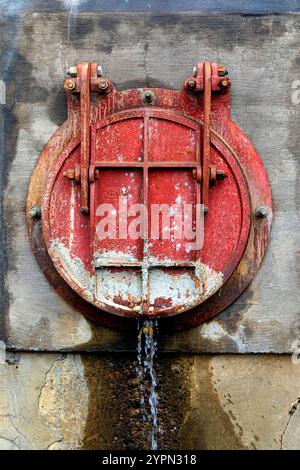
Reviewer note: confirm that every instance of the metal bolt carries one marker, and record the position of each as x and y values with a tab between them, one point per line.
222	71
69	85
194	73
191	84
72	71
70	174
35	212
223	83
103	85
262	212
148	97
99	71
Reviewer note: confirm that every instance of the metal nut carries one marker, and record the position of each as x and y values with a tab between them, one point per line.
222	71
69	85
35	212
223	83
191	84
70	174
103	85
262	211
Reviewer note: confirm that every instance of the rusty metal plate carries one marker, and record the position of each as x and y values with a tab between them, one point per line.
121	185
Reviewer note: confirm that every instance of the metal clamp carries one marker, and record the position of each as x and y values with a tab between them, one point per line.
207	77
86	77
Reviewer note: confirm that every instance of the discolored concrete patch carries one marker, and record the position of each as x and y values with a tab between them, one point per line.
115	417
243	402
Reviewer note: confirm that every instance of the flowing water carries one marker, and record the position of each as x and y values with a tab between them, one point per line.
146	353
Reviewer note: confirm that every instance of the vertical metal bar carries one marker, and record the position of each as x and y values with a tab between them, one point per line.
84	75
145	265
197	212
206	134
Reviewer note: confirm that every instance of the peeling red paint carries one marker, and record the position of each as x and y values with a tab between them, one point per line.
149	151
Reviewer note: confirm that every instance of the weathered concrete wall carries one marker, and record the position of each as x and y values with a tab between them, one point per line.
72	401
261	53
205	402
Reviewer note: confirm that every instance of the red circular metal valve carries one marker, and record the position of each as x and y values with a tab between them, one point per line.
138	247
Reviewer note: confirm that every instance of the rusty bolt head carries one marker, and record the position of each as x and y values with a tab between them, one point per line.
148	97
99	71
103	85
72	71
70	174
262	211
223	83
222	71
69	85
191	84
35	212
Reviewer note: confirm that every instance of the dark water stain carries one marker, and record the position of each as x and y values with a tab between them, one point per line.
190	413
25	87
57	105
238	310
218	30
114	418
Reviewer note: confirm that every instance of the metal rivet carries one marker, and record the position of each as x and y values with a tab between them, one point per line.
35	212
262	211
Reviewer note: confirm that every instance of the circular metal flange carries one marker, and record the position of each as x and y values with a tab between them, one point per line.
248	181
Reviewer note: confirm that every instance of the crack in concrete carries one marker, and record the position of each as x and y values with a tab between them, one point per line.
46	378
55	442
54	364
12	441
292	411
19	433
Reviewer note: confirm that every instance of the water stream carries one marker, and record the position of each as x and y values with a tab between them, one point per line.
146	354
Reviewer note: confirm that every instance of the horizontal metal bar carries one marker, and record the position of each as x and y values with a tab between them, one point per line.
148	164
116	264
139	264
